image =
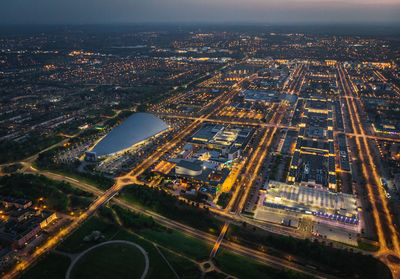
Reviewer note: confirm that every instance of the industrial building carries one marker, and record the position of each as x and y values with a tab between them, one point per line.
195	172
205	162
320	203
228	140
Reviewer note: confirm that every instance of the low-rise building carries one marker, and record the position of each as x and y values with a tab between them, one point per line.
15	202
333	207
21	225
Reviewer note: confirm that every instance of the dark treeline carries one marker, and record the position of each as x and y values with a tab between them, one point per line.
170	206
58	196
340	262
132	220
46	160
11	151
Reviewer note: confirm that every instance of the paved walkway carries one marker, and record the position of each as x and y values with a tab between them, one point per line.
76	259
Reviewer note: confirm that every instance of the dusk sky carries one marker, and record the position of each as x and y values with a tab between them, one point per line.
199	11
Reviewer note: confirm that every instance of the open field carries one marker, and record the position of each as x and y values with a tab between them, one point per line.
51	266
114	260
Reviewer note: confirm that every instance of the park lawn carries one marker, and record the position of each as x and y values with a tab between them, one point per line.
244	268
214	275
52	266
183	267
74	243
158	268
176	241
110	261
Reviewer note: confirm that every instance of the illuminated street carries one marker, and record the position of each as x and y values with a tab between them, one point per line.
222	151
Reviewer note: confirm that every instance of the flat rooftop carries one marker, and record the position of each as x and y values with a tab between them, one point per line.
219	135
310	200
317	104
206	133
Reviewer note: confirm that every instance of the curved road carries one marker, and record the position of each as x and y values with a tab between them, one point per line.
146	257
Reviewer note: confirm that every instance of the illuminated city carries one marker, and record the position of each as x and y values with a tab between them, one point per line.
236	147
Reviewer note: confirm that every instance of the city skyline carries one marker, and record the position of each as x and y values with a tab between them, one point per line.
188	11
203	139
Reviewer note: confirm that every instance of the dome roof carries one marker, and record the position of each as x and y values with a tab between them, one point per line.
135	129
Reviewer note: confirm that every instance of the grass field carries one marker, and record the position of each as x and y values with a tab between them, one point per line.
110	261
52	266
55	266
158	268
214	275
190	247
244	268
74	243
183	267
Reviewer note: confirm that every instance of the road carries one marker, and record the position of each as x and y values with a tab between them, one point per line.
219	240
272	125
130	178
387	235
386	232
208	238
257	159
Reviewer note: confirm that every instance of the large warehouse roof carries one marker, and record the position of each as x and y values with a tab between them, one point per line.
136	128
303	198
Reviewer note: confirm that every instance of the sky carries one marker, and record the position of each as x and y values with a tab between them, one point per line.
199	11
